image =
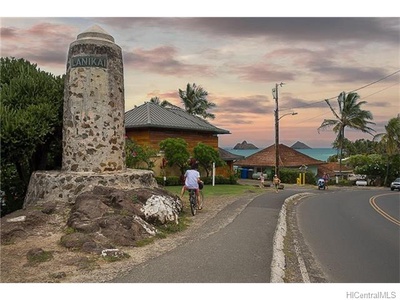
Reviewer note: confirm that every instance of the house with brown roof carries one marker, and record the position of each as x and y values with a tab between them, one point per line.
264	160
230	160
333	170
150	123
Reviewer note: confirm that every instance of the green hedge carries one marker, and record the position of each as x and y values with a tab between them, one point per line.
220	180
175	180
290	176
170	181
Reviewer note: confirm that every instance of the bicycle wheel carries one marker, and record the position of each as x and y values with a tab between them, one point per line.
202	199
192	199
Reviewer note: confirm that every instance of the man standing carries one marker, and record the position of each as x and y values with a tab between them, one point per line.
325	177
276	182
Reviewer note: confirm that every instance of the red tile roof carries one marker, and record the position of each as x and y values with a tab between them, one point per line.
288	157
333	168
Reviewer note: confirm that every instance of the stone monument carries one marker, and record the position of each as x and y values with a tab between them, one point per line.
93	125
93	130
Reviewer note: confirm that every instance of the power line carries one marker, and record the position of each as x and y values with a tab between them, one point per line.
334	97
388	87
309	119
351	91
376	81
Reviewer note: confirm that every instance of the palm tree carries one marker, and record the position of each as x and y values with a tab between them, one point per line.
158	101
349	115
390	141
194	99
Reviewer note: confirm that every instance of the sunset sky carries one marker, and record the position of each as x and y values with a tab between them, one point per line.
238	60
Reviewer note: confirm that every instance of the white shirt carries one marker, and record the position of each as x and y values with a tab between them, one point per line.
191	179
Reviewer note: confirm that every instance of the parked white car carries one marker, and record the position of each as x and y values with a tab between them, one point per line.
361	183
395	185
257	175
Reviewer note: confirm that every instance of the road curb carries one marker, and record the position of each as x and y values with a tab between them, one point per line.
278	255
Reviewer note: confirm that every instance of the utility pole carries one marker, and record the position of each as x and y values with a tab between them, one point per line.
275	93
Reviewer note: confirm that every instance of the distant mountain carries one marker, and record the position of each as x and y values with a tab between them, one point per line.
300	145
244	146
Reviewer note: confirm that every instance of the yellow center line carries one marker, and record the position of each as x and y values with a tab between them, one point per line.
381	211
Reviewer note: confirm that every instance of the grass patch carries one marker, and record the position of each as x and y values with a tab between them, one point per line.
146	241
69	230
219	190
112	258
135	199
38	256
164	230
169	228
290	257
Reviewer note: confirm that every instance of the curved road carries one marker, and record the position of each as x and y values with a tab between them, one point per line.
240	252
354	235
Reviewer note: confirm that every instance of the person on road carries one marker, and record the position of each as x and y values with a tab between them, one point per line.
192	181
262	180
325	177
276	182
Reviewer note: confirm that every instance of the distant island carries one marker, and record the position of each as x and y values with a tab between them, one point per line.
244	146
300	145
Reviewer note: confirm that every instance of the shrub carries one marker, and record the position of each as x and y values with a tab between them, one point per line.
220	180
175	180
170	180
344	182
290	176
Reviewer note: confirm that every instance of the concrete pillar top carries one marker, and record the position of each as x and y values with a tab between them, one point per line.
97	33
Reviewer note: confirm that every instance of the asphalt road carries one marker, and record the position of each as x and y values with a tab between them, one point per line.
240	252
353	238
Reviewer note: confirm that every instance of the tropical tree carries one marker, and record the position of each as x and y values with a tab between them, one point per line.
360	146
390	142
195	101
31	123
136	156
206	156
176	153
349	115
158	101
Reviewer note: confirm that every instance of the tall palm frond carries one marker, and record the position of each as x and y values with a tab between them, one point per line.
158	101
195	101
349	115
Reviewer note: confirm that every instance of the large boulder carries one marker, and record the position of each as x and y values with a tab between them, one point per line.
21	223
112	217
101	219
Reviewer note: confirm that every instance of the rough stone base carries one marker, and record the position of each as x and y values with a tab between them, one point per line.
66	186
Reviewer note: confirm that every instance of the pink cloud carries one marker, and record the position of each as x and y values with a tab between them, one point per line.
7	33
171	96
264	72
164	60
43	43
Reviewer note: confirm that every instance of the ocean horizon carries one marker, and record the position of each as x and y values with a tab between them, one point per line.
317	153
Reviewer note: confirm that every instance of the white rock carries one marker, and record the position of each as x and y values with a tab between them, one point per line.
163	208
149	229
17	219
